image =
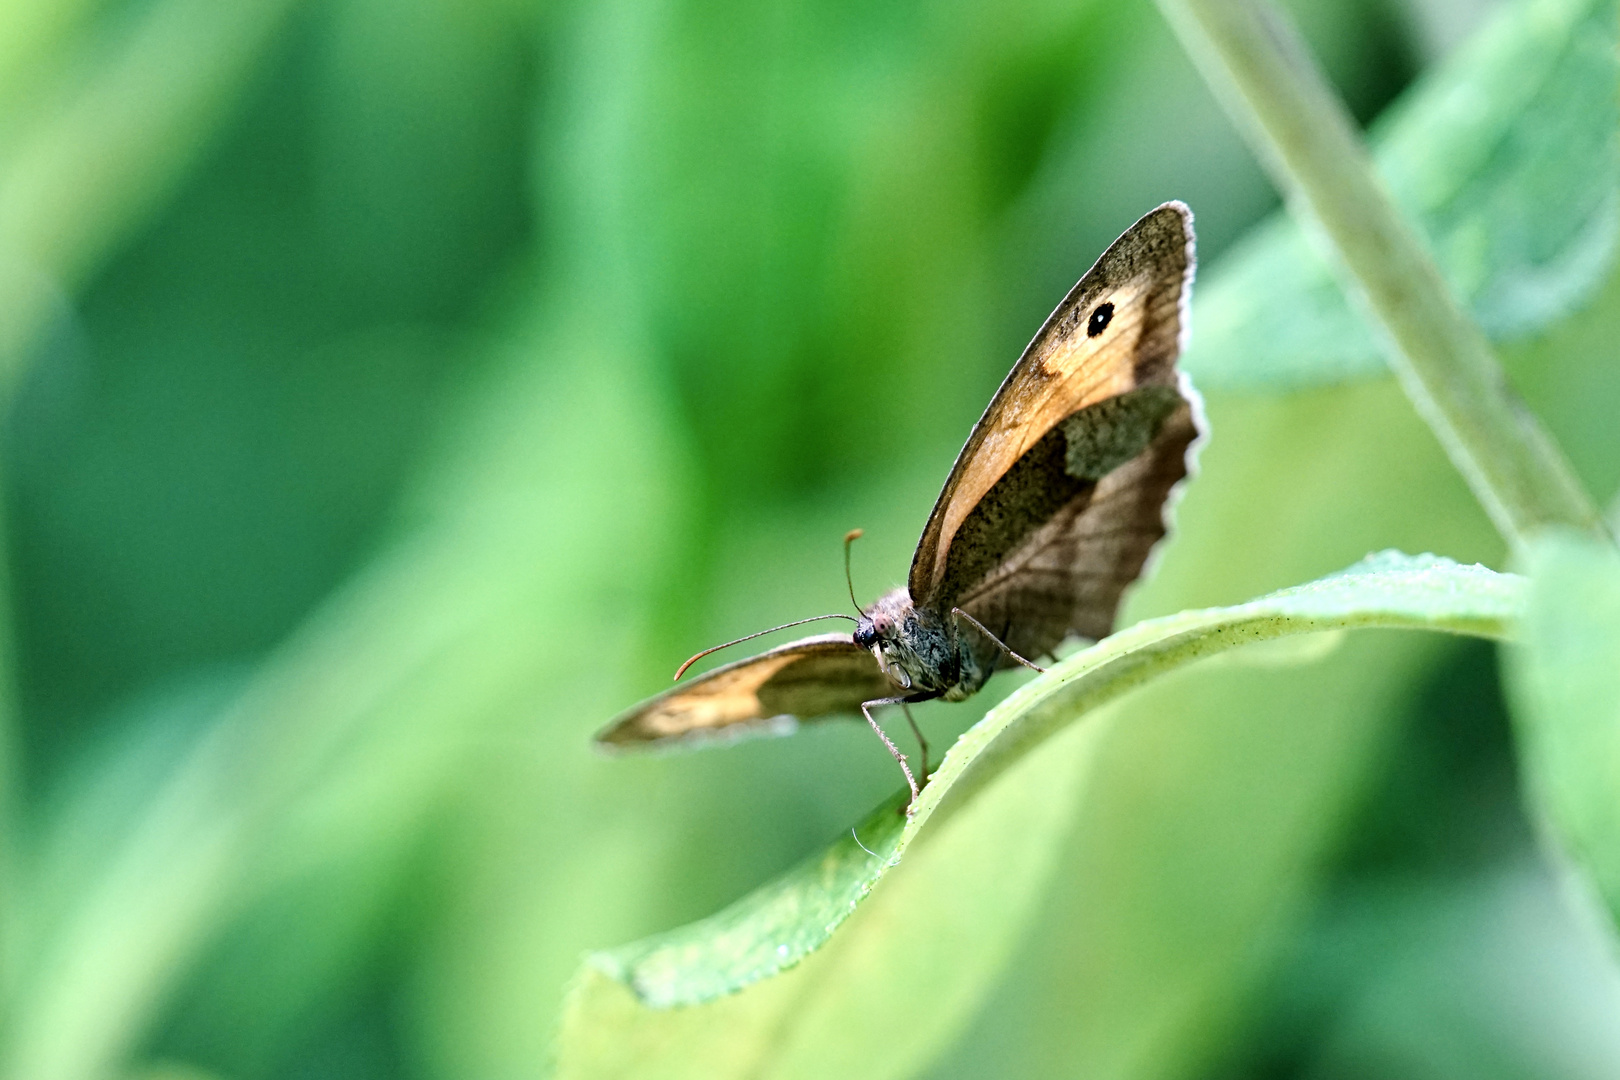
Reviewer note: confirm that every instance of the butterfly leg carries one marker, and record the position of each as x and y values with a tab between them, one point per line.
922	743
997	642
866	711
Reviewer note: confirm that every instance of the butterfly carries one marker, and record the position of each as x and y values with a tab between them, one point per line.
1049	513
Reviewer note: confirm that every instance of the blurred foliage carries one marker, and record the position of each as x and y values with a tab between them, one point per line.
397	390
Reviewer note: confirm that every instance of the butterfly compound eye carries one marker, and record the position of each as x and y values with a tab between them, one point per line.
1099	319
865	636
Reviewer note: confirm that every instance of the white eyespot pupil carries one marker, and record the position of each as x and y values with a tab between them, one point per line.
1099	320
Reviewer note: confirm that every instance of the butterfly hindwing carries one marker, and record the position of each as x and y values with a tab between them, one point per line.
808	679
1068	576
1055	501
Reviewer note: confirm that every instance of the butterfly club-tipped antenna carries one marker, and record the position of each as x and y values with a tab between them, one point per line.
749	637
849	538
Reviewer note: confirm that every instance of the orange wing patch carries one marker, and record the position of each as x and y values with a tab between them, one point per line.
1069	373
723	699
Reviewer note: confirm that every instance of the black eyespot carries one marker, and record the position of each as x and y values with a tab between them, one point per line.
1099	319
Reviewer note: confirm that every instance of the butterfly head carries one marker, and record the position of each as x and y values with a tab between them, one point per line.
883	623
911	644
874	630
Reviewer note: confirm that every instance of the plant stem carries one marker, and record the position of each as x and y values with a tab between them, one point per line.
1264	76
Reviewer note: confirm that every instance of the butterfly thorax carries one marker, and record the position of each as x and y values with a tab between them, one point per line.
921	652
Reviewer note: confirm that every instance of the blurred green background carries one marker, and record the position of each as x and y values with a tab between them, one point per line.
398	390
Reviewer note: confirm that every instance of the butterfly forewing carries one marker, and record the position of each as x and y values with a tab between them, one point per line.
1054	503
815	677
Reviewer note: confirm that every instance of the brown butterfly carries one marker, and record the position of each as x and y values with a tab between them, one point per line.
1049	513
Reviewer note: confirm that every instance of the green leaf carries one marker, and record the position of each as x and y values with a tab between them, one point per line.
1564	682
1504	155
616	1012
903	974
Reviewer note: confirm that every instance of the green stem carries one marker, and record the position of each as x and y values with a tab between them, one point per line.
1264	76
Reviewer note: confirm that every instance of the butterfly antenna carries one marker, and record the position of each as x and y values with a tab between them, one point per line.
849	538
749	637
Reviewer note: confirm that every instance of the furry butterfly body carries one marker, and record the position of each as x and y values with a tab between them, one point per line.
1049	513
